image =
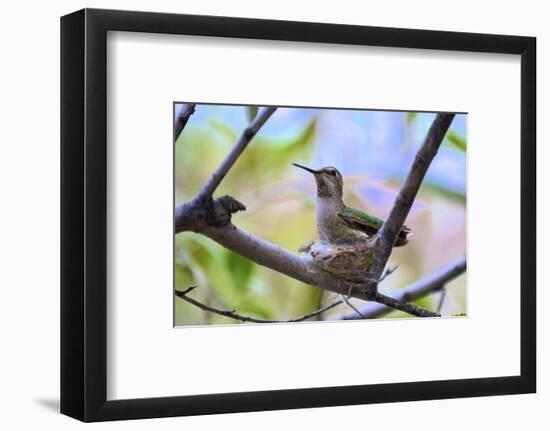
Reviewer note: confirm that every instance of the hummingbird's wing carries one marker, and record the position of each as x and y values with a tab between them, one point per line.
369	224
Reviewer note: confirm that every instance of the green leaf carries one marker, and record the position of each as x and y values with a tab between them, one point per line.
446	192
455	140
411	117
256	309
205	258
240	269
251	111
304	138
224	130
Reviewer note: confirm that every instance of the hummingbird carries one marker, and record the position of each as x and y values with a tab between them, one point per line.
338	223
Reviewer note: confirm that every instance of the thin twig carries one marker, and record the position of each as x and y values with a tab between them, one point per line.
214	181
425	286
234	315
181	120
350	305
403	203
388	272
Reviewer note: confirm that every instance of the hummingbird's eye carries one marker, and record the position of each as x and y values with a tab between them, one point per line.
332	172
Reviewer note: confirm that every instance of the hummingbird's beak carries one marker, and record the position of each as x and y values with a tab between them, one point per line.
313	171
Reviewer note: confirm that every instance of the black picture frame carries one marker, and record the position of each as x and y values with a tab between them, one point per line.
84	214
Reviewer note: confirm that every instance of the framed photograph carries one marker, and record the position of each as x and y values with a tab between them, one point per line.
262	215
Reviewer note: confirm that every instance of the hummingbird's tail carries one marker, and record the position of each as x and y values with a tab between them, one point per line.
403	236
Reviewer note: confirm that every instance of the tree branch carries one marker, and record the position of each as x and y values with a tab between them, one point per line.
403	203
185	112
421	288
233	315
245	138
275	257
401	304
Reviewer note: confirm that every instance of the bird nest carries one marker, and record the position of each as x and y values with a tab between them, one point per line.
343	259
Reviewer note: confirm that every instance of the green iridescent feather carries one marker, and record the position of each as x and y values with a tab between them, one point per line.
369	224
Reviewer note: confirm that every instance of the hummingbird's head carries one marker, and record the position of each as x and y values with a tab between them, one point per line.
329	181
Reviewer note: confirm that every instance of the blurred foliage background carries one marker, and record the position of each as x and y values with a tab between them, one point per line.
373	150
